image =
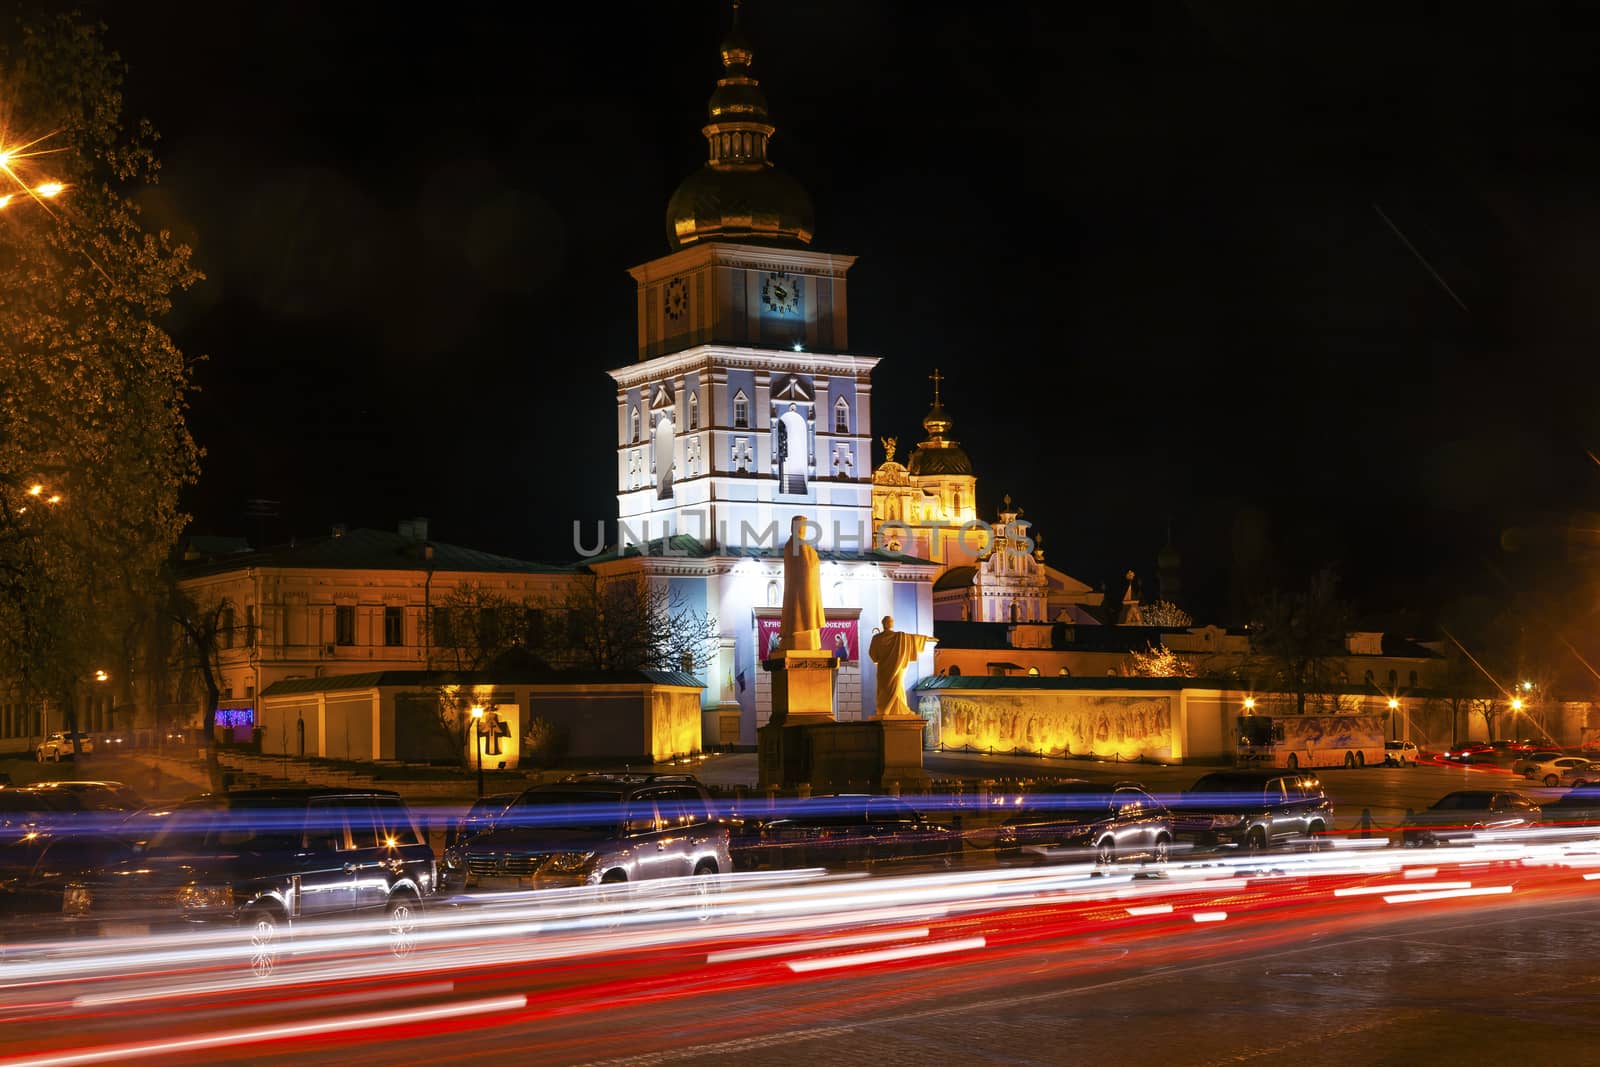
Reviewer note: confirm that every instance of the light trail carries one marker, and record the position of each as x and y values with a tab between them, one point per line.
862	959
257	1035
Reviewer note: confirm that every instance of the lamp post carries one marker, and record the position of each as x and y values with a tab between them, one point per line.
1394	727
477	744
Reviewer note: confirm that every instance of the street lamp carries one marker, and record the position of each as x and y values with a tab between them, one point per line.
477	733
1249	703
1394	728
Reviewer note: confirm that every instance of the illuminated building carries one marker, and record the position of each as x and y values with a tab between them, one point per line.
746	408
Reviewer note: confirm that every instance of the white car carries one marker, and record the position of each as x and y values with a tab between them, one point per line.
1563	770
1526	764
58	746
1400	753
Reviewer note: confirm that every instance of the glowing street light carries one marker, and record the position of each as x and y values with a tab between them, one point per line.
1393	704
1516	703
1249	703
49	190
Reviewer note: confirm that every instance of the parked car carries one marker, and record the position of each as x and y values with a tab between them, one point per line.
854	829
266	861
591	829
1079	819
1458	817
1563	770
91	795
58	746
37	866
1579	806
1252	810
479	818
1400	753
25	811
1529	760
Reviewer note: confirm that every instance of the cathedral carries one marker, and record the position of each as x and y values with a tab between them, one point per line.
745	408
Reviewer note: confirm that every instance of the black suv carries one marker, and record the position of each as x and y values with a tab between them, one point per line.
1079	820
1253	810
595	828
264	860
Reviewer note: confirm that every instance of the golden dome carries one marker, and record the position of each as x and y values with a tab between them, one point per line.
739	194
938	455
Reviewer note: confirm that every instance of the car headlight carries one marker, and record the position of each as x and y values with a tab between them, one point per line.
76	900
568	862
205	896
1224	822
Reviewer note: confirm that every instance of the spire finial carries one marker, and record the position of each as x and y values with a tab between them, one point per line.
936	378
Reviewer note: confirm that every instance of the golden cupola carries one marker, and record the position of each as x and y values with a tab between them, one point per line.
739	195
938	455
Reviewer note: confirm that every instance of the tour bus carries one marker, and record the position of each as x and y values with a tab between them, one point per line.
1296	741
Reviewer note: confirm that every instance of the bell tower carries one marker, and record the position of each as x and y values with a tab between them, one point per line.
744	407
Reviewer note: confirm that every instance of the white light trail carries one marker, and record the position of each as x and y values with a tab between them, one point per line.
258	1034
1445	894
1150	909
1375	890
1210	916
793	948
861	959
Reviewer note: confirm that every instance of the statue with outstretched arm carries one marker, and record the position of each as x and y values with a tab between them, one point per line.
801	625
894	651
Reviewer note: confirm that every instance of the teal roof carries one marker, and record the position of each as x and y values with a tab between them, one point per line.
366	549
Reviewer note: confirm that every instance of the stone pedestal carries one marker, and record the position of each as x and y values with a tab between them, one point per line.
802	686
902	750
875	756
802	696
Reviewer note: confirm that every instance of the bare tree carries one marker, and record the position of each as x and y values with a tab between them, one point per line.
630	623
1298	639
196	658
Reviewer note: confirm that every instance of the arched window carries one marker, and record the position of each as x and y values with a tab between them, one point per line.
1367	678
1033	672
633	425
1063	672
841	416
955	672
741	410
1394	679
1413	679
694	411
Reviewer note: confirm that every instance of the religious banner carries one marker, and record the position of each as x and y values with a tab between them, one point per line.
839	636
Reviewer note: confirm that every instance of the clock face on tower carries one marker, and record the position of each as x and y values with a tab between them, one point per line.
780	293
676	298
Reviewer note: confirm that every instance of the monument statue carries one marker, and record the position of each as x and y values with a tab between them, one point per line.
888	448
801	625
893	651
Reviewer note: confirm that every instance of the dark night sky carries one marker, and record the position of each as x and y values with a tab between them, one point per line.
1145	247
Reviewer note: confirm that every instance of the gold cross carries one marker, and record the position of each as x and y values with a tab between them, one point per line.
936	378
